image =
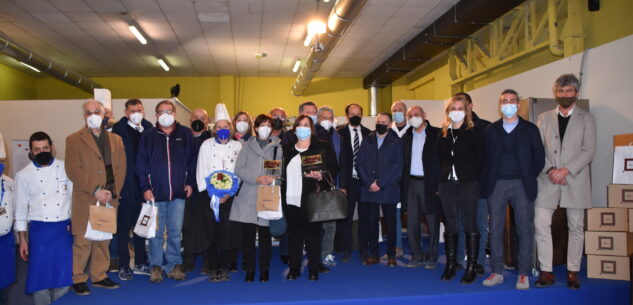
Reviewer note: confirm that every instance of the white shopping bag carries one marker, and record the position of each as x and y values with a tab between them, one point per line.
96	235
146	222
623	164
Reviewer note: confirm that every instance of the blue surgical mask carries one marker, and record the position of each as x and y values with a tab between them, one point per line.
509	110
1	168
314	119
303	132
398	117
223	134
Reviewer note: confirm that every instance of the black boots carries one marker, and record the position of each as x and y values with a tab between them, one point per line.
450	242
472	251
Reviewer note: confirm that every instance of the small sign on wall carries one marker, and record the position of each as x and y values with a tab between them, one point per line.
19	155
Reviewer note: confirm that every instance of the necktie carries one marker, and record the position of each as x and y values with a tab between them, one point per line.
356	147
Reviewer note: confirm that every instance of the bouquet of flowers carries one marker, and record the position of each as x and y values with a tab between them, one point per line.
219	184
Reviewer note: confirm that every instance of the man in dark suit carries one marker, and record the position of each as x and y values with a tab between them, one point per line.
420	186
515	157
352	135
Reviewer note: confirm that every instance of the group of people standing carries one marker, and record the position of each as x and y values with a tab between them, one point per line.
463	173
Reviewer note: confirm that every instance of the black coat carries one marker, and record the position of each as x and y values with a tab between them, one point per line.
383	165
346	156
528	151
431	168
468	154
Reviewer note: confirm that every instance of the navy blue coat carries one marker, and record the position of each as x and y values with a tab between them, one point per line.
528	151
383	165
166	164
130	194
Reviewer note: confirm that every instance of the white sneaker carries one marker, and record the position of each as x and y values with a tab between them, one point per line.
493	280
328	260
523	282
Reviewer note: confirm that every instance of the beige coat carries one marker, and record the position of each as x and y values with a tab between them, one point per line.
575	153
85	168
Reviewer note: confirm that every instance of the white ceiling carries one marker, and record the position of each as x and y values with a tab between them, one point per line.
208	37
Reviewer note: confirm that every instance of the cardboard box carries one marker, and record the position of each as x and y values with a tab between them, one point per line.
630	220
608	219
608	267
620	195
609	243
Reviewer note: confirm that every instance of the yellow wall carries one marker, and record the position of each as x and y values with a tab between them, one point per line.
16	85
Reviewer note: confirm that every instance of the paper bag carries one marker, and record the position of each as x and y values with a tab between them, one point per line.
146	223
103	218
268	197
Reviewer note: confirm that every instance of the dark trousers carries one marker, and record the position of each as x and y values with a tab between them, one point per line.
389	212
127	214
344	226
460	198
249	232
504	192
300	231
416	207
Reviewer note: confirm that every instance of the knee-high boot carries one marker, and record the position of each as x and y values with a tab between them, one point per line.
472	250
450	242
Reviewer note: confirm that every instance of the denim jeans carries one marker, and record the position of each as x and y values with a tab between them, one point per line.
170	216
327	238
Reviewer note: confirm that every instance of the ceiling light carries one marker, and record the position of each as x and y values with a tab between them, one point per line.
308	40
163	64
137	34
295	68
30	67
326	1
316	27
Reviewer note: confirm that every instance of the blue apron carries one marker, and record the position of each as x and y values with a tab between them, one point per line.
7	259
50	256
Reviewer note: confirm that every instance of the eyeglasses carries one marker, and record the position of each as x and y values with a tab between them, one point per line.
89	113
170	112
512	101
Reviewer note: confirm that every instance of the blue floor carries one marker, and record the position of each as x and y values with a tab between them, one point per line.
353	283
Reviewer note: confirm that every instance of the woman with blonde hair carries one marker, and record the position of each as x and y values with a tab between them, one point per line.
243	126
461	157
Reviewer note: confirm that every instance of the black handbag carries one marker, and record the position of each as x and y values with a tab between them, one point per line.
326	205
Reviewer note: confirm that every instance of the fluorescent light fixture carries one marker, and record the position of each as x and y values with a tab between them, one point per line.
137	34
316	27
326	1
29	66
163	64
295	68
308	40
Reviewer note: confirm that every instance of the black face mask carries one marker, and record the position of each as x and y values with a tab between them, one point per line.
355	120
381	128
278	124
565	102
43	159
197	125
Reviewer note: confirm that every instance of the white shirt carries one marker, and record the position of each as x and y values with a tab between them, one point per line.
139	126
568	112
450	126
214	156
42	194
294	179
360	141
3	152
7	205
417	146
400	133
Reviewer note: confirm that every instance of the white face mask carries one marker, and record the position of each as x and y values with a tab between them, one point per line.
94	121
456	116
241	126
263	132
166	120
327	124
416	121
136	118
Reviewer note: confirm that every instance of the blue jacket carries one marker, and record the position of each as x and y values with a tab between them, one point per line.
165	163
383	165
528	151
130	194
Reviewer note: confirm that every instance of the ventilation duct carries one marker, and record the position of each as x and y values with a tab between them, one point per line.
460	21
340	18
45	65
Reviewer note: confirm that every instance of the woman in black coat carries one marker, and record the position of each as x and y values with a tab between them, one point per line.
461	156
298	183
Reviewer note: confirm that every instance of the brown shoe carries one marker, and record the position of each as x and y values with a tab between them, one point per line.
157	275
546	279
572	280
176	274
371	261
391	262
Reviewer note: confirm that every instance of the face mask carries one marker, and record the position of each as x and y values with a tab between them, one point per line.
166	120
303	132
94	121
263	132
415	121
565	102
314	119
398	117
223	134
136	118
355	120
242	127
456	116
197	125
381	128
509	110
278	123
327	124
44	158
1	168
